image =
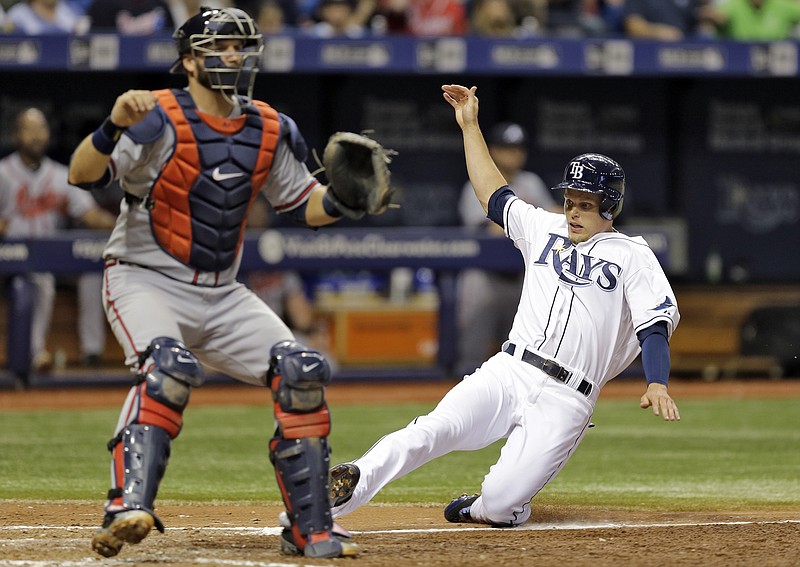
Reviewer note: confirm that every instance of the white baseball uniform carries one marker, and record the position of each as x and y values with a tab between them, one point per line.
148	293
581	306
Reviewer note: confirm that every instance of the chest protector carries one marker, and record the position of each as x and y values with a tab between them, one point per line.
206	187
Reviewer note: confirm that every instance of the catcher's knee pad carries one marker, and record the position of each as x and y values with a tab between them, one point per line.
166	373
299	451
298	377
140	455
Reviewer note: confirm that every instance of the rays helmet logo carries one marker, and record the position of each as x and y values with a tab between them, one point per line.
598	174
575	170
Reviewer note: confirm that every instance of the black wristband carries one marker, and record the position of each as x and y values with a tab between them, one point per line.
330	207
106	137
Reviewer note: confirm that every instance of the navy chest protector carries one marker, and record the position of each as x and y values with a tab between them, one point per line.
201	199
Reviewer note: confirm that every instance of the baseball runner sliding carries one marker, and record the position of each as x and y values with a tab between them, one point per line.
592	300
191	162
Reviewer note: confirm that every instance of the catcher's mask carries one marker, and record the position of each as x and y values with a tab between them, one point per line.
596	173
199	36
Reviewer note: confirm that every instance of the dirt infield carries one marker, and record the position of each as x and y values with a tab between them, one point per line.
393	536
58	533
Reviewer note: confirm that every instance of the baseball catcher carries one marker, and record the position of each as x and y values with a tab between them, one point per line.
358	171
192	162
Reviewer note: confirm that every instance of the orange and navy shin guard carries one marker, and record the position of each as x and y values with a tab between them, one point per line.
152	417
299	450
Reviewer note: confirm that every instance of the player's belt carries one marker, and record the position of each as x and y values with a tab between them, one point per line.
549	367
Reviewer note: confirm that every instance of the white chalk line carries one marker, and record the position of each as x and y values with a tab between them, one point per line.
92	560
534	527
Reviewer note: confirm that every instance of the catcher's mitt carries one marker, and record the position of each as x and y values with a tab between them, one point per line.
358	173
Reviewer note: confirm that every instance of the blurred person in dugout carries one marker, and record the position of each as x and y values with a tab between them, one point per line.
36	201
487	300
284	292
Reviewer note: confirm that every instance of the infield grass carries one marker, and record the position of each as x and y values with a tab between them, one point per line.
723	455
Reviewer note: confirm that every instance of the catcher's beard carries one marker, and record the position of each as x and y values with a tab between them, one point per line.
204	78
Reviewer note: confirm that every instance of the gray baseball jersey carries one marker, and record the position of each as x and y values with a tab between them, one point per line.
527	186
35	203
148	293
138	165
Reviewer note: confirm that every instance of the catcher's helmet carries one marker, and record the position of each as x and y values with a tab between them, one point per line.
596	173
199	36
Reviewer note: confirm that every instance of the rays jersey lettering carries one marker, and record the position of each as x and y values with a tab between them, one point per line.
576	269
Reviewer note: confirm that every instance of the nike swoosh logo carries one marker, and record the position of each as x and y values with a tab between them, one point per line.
217	175
182	358
309	367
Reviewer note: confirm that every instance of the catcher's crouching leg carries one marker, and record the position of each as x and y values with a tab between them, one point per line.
300	453
151	418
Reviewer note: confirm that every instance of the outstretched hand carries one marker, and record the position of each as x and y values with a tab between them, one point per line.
131	107
465	103
659	399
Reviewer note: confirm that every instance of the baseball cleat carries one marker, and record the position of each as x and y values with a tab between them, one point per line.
128	526
328	545
458	510
342	481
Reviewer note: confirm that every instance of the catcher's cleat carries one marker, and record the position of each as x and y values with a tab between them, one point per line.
333	544
128	526
342	481
458	510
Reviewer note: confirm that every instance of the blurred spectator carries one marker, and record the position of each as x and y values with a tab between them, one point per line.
424	18
531	15
35	201
487	300
78	6
182	10
270	17
273	16
665	20
437	18
573	18
36	17
493	18
391	17
610	11
336	19
131	17
754	20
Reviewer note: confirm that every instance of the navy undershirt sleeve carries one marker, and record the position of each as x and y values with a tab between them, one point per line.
497	202
655	353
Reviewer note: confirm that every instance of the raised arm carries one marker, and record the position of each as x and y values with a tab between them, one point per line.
483	173
90	159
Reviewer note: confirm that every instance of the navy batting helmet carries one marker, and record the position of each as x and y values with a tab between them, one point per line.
199	36
596	173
